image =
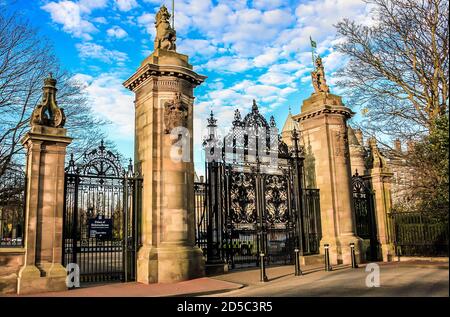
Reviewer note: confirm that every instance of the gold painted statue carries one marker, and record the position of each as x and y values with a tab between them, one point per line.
165	34
318	78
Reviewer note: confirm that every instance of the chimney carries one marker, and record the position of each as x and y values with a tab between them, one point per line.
398	145
410	146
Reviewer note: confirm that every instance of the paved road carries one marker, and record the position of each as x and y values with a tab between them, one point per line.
395	280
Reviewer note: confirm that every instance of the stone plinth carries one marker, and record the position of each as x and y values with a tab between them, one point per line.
164	85
323	122
42	270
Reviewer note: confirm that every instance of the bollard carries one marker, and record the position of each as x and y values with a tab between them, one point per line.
298	271
263	276
353	255
327	258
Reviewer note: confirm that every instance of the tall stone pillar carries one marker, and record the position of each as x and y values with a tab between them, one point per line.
164	85
45	144
323	122
381	179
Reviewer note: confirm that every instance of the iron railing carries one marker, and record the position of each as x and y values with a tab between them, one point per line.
201	216
419	234
12	207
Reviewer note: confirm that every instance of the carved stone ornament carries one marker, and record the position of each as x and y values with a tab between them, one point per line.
47	113
165	34
175	114
318	78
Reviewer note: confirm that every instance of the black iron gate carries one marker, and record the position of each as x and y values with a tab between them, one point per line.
252	204
101	217
365	215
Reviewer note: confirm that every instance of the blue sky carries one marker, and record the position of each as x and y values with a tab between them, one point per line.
256	49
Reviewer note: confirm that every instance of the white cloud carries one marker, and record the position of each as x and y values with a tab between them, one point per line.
226	64
69	14
147	21
267	4
269	57
276	78
110	100
95	51
101	20
89	5
126	5
116	32
196	47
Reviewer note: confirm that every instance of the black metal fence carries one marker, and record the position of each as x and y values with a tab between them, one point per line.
419	234
12	207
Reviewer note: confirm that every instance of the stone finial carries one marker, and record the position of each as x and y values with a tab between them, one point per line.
359	136
377	160
166	36
47	113
318	77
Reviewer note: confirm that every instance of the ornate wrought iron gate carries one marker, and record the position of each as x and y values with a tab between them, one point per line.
101	217
365	215
252	206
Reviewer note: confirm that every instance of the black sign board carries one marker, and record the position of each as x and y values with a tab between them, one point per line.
100	228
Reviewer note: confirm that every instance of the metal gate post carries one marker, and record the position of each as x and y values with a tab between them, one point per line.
75	220
125	228
298	197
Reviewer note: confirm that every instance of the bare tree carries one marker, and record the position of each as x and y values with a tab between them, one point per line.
26	58
398	67
398	74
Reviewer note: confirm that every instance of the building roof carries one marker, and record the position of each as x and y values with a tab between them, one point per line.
290	124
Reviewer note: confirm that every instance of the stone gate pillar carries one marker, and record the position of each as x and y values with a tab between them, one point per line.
45	144
164	85
380	176
323	122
